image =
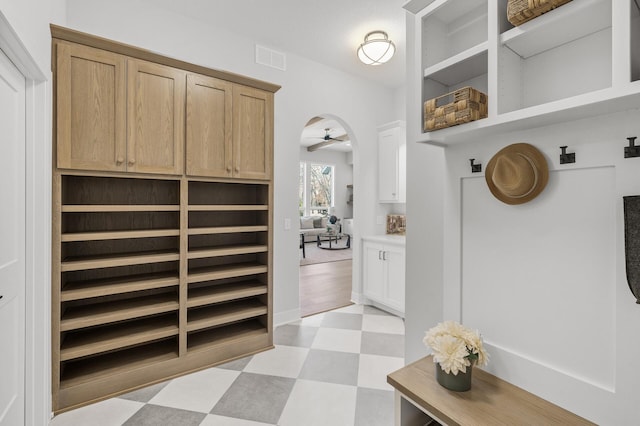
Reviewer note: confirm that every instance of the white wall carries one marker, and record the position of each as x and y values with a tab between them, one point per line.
308	89
343	176
544	281
30	20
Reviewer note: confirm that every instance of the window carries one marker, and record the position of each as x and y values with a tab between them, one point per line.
316	188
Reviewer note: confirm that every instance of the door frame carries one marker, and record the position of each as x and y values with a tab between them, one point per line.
38	226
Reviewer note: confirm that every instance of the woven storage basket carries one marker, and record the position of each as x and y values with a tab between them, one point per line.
521	11
461	106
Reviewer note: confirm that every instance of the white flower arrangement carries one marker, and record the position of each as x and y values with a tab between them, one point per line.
455	347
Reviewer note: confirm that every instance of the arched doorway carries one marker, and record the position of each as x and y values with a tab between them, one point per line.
326	214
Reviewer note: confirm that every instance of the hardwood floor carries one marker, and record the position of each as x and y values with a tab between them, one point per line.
325	286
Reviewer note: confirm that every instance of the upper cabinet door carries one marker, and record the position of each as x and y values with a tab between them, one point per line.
90	108
209	143
388	172
155	118
252	133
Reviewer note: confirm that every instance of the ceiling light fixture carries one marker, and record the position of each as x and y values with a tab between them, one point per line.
376	49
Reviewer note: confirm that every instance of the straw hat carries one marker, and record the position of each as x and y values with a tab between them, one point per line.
517	173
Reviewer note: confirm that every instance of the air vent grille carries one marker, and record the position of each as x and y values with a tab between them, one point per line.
271	58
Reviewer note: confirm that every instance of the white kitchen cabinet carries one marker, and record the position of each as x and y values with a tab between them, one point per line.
384	271
392	163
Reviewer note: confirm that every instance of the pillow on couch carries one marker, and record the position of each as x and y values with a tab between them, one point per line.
306	222
320	222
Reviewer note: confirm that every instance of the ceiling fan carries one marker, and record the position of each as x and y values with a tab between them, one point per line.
327	140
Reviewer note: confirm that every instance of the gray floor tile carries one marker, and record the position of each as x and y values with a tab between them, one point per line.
255	397
237	365
374	407
294	335
154	415
144	394
382	344
331	367
342	320
372	310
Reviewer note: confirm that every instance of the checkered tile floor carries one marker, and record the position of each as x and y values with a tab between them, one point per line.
328	370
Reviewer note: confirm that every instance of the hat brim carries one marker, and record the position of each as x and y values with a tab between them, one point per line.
539	162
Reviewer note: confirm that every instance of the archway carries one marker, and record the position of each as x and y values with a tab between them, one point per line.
326	194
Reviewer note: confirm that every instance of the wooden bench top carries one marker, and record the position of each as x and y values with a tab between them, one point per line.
491	400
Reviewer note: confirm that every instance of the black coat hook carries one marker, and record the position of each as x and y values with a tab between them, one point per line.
632	150
567	158
475	168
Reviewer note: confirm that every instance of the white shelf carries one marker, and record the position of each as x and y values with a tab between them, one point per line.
565	65
448	11
563	25
461	67
592	104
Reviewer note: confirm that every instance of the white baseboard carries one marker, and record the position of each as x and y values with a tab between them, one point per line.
359	299
286	317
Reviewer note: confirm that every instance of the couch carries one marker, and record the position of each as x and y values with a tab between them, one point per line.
312	226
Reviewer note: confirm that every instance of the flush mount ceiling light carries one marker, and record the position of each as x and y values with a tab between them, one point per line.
376	49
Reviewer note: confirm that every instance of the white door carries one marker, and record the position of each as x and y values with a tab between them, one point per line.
12	243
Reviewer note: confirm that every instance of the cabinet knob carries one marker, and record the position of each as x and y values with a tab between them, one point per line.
119	161
132	161
237	169
228	169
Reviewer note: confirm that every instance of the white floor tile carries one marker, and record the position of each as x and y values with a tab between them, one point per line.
334	339
351	309
319	404
111	412
313	320
373	370
285	361
213	420
383	324
198	391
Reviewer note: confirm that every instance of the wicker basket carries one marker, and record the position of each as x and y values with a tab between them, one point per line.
461	106
521	11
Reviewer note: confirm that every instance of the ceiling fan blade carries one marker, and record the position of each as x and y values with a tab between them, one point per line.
313	121
319	145
342	138
322	144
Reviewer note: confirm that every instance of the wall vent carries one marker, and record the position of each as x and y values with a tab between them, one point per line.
271	58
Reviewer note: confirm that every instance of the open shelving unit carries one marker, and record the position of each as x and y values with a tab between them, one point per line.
228	261
570	63
156	274
454	52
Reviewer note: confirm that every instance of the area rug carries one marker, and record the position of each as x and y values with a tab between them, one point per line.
317	255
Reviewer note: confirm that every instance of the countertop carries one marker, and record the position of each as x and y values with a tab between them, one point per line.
386	239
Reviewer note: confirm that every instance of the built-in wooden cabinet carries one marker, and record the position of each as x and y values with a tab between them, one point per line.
155	273
252	125
155	118
228	129
208	133
118	114
91	92
573	62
